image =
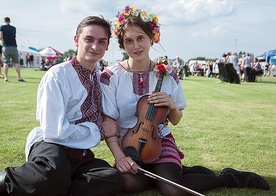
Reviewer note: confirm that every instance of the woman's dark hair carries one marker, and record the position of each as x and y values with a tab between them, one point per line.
94	20
133	21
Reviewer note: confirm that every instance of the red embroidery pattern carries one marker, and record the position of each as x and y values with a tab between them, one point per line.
140	83
92	104
105	76
170	153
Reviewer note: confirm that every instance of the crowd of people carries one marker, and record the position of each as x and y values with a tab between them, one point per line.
228	68
245	68
78	106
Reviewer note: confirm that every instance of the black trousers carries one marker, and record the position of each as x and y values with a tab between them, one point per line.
49	172
232	75
254	73
221	68
247	72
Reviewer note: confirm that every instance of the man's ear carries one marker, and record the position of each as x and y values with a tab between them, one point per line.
107	46
76	40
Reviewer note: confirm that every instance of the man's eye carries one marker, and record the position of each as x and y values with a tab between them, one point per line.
89	40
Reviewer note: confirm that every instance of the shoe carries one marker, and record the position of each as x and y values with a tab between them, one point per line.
2	182
246	179
21	80
197	170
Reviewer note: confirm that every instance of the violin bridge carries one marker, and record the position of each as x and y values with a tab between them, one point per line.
141	143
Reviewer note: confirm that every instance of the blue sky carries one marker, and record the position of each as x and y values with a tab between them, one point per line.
189	28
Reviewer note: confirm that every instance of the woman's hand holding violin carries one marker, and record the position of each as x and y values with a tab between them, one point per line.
161	99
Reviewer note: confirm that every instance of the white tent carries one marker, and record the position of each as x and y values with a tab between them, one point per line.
23	52
48	52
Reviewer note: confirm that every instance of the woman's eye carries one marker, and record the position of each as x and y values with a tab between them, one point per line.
128	41
140	38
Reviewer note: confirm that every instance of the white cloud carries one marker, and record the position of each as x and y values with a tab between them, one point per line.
216	31
73	6
191	11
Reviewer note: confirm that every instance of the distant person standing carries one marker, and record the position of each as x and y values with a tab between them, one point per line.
31	60
1	62
8	36
232	69
221	67
178	67
28	60
234	59
246	65
166	60
21	59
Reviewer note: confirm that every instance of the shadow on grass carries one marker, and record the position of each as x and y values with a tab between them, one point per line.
219	191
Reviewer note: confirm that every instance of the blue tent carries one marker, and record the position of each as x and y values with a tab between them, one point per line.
273	60
32	48
268	54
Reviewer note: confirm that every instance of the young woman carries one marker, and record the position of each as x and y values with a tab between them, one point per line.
124	86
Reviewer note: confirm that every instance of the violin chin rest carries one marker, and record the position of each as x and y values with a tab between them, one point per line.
131	152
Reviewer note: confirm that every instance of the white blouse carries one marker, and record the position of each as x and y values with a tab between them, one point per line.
121	90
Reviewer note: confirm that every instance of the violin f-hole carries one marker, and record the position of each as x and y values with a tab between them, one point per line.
138	128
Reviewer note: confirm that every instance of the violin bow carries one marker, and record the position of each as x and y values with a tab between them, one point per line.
156	177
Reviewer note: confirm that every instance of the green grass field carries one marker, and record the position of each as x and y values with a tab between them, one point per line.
224	125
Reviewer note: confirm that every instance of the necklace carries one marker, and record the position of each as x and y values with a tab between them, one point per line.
128	67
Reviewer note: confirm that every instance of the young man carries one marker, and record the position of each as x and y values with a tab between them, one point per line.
10	52
59	159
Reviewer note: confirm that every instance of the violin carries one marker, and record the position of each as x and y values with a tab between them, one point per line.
142	142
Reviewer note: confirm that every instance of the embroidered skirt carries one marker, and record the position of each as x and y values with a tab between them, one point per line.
170	153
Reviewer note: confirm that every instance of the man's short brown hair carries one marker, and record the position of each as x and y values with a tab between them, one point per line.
7	19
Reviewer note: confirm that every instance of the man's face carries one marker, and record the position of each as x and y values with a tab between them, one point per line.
92	44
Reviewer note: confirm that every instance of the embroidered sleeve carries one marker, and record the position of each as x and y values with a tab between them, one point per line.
105	76
102	133
174	75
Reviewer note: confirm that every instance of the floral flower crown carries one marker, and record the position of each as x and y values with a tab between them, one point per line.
152	19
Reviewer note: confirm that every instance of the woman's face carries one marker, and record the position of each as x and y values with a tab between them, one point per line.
136	43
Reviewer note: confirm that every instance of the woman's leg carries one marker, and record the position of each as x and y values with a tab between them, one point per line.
194	181
228	178
138	182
